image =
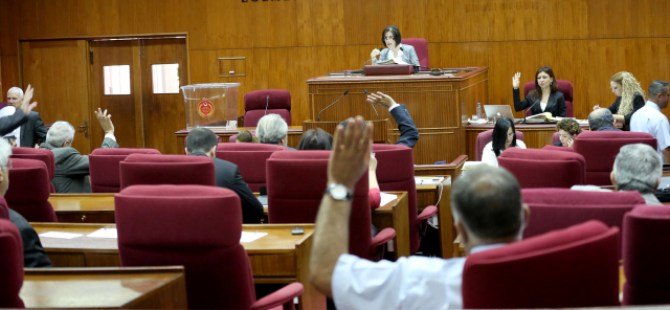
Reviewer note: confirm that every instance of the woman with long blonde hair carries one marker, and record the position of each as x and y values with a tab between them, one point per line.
630	97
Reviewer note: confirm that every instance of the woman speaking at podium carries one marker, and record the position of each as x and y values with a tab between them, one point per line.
544	98
394	51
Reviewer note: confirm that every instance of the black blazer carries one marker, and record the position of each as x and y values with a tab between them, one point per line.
33	131
638	102
409	135
555	105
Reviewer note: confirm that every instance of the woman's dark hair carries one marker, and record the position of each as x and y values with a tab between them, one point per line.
537	92
315	139
570	126
396	34
499	136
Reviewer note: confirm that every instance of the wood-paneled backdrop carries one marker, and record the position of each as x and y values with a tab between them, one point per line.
286	42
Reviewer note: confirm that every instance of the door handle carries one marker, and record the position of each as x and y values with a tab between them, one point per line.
84	127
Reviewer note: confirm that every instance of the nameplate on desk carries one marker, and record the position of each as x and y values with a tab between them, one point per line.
388	69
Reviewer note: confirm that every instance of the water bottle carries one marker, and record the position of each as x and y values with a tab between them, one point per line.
479	111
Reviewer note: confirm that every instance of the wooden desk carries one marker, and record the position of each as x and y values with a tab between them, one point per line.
441	197
279	257
294	134
122	288
395	214
439	105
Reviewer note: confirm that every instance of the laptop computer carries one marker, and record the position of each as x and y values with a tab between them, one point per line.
498	109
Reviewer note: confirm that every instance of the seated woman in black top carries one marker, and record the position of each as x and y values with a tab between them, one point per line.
544	98
630	97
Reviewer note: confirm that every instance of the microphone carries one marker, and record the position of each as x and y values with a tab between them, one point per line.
529	109
318	116
366	92
267	104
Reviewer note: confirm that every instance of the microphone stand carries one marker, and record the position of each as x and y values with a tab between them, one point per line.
318	116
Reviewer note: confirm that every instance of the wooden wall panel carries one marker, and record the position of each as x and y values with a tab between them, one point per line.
286	42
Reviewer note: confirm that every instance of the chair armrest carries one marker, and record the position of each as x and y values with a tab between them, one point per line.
385	235
427	213
283	296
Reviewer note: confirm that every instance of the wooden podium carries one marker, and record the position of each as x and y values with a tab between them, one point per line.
439	105
379	128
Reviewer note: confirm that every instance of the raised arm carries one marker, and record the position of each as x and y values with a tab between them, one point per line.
409	135
348	161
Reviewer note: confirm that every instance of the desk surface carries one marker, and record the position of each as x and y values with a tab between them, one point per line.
142	287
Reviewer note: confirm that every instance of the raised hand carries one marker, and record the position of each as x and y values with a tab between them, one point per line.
351	152
105	121
26	105
515	80
381	99
375	52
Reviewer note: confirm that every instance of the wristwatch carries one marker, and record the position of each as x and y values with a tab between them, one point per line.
338	192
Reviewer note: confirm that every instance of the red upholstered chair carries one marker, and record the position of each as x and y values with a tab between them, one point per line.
485	137
250	159
104	167
200	228
556	208
266	101
166	169
44	155
296	183
421	47
543	168
563	86
574	267
646	234
29	190
600	148
11	265
395	172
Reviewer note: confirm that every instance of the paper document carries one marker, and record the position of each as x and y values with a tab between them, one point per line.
60	235
386	198
103	233
251	236
428	180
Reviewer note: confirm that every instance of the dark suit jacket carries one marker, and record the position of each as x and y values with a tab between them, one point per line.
228	176
555	105
33	252
409	135
33	131
9	123
638	102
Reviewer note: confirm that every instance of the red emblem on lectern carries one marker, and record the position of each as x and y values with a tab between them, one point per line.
205	109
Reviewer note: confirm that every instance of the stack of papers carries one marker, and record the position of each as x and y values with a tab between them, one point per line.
428	180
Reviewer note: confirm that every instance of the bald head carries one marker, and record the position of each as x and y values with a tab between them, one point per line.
600	118
14	96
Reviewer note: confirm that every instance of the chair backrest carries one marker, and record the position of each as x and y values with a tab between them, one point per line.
29	190
196	226
258	103
104	167
646	234
11	265
395	172
250	159
574	267
563	86
544	168
44	155
421	47
296	182
166	169
556	208
485	137
600	148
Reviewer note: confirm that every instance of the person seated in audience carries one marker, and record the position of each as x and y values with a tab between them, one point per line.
544	98
394	51
272	129
637	167
602	120
409	135
245	136
488	213
202	142
33	131
8	123
651	120
33	252
568	129
503	137
72	168
318	139
630	97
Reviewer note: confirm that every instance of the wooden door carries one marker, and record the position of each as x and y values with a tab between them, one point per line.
121	101
162	113
58	70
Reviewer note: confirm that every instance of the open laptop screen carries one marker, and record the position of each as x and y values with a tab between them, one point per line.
493	109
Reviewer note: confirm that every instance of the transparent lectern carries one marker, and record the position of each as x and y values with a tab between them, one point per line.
211	105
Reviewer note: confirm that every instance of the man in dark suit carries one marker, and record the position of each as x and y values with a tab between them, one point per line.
202	142
10	122
409	135
33	131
